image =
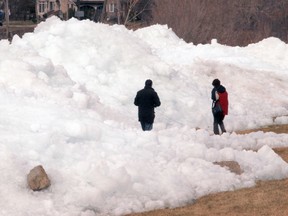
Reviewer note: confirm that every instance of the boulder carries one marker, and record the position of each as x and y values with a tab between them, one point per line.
38	179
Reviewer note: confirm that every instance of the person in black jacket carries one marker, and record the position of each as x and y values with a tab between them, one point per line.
146	100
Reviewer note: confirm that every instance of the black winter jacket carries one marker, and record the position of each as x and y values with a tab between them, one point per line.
220	89
146	100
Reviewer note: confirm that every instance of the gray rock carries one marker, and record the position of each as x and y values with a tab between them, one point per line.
38	179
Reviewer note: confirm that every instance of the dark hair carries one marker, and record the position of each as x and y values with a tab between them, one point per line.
216	82
148	83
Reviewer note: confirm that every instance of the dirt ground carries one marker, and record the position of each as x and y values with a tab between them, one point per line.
16	28
267	198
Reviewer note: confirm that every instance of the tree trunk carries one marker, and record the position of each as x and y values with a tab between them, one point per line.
7	14
118	12
103	15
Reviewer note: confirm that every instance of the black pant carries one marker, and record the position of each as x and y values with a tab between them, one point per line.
146	126
218	120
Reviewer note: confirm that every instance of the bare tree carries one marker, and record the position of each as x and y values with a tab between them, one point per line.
136	8
103	15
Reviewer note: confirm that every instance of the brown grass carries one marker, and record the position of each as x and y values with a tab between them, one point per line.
267	198
275	128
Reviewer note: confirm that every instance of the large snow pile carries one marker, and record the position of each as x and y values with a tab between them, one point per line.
67	93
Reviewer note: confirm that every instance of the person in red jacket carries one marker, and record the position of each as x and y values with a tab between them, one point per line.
219	97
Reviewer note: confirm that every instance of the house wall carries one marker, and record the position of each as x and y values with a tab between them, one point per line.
115	8
64	7
111	9
47	6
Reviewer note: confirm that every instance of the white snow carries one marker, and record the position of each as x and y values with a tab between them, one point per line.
67	93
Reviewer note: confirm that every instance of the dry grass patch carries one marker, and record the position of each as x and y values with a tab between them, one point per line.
233	166
282	152
274	128
267	198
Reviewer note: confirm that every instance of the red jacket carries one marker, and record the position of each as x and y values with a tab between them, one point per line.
223	100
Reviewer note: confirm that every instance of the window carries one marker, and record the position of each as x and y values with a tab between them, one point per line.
41	7
112	7
51	6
